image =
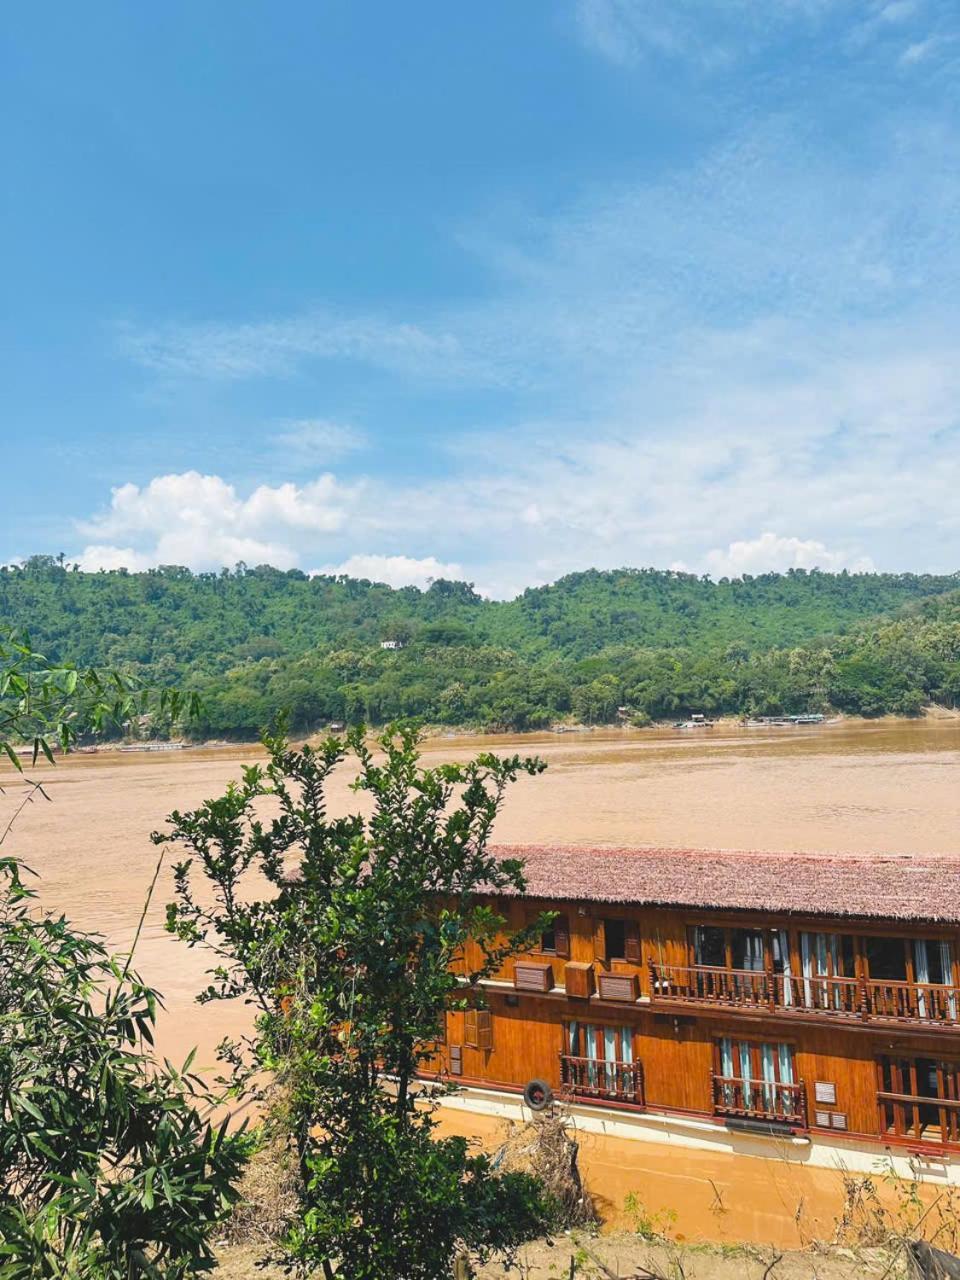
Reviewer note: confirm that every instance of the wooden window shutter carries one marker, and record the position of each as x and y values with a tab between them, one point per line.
631	943
470	1028
599	940
456	1059
484	1029
561	931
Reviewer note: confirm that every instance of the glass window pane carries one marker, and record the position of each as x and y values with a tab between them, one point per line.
746	946
709	947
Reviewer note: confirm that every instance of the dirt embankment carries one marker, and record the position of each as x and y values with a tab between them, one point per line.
627	1256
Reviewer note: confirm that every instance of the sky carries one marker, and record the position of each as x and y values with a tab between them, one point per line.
492	291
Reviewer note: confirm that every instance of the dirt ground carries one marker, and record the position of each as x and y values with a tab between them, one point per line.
626	1256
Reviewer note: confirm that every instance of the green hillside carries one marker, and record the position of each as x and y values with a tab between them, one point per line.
660	643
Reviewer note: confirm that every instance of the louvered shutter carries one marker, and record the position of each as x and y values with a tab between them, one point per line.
599	940
456	1060
484	1029
631	942
470	1028
561	932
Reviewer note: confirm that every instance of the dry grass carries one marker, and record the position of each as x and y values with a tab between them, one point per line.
869	1220
268	1203
625	1256
546	1148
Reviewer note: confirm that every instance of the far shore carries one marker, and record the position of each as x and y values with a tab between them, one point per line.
434	732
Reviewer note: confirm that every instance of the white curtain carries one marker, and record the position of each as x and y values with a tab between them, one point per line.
769	1072
786	1064
726	1068
820	956
589	1052
946	968
921	972
753	952
781	952
611	1038
941	954
745	1073
626	1055
806	961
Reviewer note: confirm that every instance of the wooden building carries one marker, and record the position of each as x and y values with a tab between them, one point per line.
798	997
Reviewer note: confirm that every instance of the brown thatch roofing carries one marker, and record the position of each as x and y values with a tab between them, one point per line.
881	886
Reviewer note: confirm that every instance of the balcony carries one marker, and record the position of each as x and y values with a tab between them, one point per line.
760	1100
602	1080
854	999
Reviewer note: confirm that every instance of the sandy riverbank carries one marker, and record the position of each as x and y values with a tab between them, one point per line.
448	733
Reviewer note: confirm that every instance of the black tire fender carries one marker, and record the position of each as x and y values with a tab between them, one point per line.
537	1094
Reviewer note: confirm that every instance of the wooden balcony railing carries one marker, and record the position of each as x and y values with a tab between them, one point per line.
705	984
760	1100
596	1078
913	1001
861	998
840	997
910	1115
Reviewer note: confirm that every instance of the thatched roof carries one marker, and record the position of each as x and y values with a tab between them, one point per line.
875	886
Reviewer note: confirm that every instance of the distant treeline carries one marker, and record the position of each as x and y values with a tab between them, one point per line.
595	646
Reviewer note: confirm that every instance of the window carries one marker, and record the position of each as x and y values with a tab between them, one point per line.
886	958
746	949
756	1078
919	1098
599	1060
828	965
615	939
922	960
720	948
555	940
933	961
709	946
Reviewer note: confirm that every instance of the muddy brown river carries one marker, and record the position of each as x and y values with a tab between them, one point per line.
849	787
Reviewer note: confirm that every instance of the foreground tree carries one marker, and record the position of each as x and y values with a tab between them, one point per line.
351	963
107	1168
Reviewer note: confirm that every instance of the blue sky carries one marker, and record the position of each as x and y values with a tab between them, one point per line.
498	291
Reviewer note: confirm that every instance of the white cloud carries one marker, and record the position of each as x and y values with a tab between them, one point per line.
314	439
94	558
711	33
396	571
272	348
771	553
919	51
840	454
718	35
200	521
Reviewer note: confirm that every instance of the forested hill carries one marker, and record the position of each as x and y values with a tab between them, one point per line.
658	642
207	620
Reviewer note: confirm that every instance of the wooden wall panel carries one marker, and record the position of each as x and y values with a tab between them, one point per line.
677	1061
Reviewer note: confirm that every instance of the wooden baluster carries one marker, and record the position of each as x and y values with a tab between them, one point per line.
864	1000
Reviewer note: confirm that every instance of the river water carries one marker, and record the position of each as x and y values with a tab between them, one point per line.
849	787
